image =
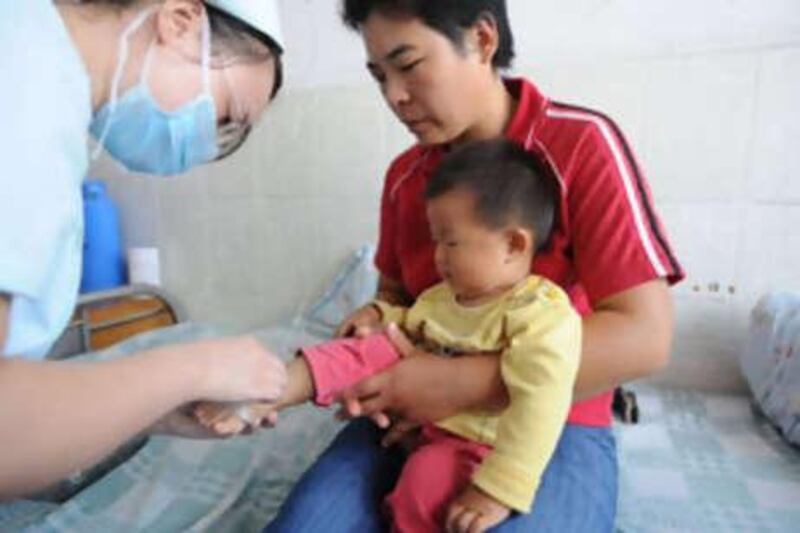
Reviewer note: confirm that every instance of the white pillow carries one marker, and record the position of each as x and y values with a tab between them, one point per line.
353	286
771	361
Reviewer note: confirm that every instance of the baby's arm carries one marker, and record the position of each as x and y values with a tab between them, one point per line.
319	373
539	369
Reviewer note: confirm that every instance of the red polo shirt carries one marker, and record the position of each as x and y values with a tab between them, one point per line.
607	239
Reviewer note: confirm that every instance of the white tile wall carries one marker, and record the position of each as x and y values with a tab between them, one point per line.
708	101
184	243
776	144
706	238
770	257
321	52
699	114
617	89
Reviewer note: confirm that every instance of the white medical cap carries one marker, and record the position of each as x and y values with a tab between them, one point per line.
262	15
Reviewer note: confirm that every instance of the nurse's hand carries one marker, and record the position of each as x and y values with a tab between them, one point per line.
235	369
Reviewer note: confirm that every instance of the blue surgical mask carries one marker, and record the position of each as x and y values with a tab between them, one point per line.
145	138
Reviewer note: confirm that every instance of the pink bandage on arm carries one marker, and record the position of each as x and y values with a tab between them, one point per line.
341	363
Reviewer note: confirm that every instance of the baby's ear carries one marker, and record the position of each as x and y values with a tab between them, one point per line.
520	240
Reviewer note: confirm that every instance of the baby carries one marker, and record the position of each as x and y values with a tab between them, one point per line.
490	206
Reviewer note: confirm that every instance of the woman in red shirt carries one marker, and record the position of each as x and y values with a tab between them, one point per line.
438	66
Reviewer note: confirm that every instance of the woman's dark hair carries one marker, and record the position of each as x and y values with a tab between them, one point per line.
448	17
234	40
511	185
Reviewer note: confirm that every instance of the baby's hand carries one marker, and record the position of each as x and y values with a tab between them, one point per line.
474	512
221	418
362	322
227	419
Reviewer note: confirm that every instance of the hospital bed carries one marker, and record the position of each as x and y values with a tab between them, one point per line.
694	462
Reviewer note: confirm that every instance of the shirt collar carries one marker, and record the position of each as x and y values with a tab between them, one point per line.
530	106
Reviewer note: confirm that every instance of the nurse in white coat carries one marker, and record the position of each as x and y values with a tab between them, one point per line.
163	85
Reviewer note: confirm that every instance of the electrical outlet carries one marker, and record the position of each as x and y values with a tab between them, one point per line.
714	288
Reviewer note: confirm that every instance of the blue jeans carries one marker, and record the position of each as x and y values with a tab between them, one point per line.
344	490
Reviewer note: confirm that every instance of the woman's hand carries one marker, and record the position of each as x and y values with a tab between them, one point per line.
424	387
362	322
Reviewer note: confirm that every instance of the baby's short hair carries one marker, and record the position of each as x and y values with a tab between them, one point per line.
510	184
